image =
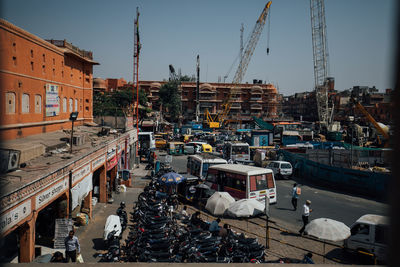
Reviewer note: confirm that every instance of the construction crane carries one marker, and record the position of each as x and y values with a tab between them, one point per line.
320	56
241	70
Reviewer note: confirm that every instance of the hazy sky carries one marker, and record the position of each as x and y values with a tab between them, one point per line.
360	37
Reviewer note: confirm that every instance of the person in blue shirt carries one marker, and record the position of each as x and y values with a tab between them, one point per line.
295	196
214	227
308	258
72	247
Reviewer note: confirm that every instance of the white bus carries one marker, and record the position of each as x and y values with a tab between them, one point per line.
198	165
243	181
237	151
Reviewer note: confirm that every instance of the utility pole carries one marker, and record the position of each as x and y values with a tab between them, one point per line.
197	89
136	50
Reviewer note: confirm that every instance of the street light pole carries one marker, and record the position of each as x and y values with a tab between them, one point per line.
72	117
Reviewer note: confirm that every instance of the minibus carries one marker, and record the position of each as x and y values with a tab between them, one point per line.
243	181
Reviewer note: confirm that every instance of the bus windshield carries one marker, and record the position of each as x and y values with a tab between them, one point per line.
261	182
240	150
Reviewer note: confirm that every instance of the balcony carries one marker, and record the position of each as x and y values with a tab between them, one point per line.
236	106
256	106
256	98
207	97
206	105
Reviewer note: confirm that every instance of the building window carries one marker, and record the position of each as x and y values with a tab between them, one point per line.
62	63
71	105
10	103
54	61
87	108
44	58
14	61
87	100
14	47
54	72
25	103
31	65
65	105
31	53
44	68
76	104
62	74
38	104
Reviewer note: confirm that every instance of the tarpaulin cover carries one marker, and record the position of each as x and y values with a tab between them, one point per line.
81	190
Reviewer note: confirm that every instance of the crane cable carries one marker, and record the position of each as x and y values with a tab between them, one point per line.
268	30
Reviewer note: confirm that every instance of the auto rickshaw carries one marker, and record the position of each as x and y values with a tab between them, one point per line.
187	138
175	148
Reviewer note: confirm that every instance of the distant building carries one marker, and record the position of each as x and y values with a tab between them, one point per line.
114	84
260	100
42	82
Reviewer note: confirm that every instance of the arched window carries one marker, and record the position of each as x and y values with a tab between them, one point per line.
76	104
71	105
65	105
10	103
25	103
38	104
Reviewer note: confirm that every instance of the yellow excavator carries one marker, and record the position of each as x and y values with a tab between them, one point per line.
384	131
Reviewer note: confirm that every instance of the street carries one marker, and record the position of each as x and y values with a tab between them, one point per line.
326	203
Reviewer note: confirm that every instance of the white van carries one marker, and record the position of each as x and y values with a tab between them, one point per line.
147	140
369	234
281	169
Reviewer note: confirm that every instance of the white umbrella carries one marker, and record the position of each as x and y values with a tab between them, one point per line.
328	229
245	208
219	202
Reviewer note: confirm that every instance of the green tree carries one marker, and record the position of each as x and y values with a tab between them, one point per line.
115	103
171	99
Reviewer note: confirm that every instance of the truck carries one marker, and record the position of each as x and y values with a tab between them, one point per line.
369	235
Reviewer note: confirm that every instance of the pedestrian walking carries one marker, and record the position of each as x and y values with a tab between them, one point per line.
72	247
306	215
296	191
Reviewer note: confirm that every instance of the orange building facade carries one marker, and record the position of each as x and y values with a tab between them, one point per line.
41	83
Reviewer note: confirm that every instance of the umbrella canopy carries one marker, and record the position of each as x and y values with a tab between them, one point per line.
219	202
245	208
171	178
328	229
204	186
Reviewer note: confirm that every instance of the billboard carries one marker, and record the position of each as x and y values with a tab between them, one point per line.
52	100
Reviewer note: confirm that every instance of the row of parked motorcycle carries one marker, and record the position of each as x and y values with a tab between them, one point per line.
159	234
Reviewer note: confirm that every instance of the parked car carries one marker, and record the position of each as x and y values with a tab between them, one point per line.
369	234
281	169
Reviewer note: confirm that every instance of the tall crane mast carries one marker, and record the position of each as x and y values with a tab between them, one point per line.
245	58
251	45
320	56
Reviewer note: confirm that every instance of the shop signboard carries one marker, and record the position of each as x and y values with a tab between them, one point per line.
52	100
98	162
14	216
51	193
80	173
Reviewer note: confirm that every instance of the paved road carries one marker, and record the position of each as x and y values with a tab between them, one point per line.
326	203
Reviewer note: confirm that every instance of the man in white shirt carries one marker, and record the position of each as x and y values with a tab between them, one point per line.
306	214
